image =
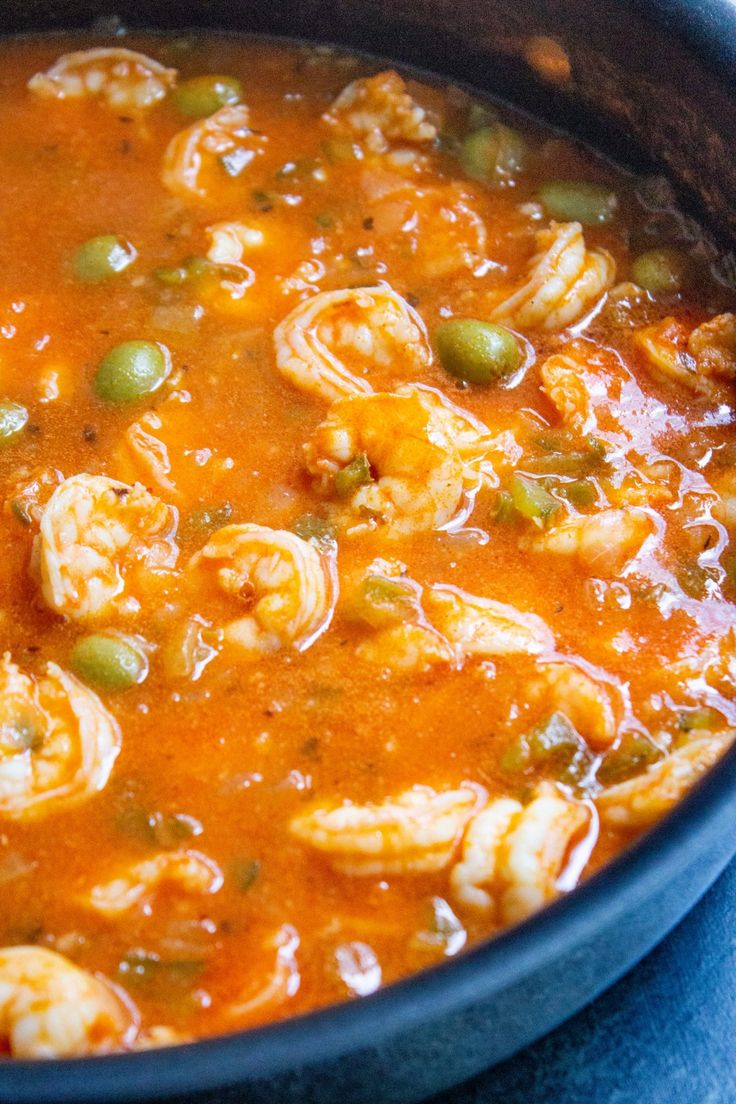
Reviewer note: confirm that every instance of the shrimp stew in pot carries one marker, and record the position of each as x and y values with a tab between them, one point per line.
368	498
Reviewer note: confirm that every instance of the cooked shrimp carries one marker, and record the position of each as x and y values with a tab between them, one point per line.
409	647
285	978
513	857
642	801
94	531
58	743
142	451
26	500
286	586
483	627
122	79
199	152
665	348
188	871
565	279
415	477
572	390
604	543
437	225
379	111
230	241
50	1008
329	343
724	484
587	703
414	833
713	344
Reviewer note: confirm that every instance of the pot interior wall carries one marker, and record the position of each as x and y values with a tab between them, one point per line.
643	82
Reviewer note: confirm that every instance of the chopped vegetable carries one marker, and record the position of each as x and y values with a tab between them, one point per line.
157	829
633	755
354	475
108	662
131	370
477	352
505	510
243	873
146	968
102	257
208	518
493	154
660	270
13	420
380	601
316	528
554	745
581	492
578	201
696	580
201	96
530	499
691	719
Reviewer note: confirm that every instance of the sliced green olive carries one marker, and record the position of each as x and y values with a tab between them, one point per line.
131	370
108	662
660	270
205	95
531	499
493	154
477	352
13	420
352	476
579	201
102	257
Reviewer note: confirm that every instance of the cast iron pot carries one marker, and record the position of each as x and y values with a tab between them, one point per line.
652	82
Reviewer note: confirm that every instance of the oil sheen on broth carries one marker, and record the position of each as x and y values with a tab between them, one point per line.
368	490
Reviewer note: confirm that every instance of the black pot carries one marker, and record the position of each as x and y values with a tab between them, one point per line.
652	82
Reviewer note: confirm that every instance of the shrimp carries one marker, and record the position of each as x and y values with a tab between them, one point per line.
414	833
379	111
142	449
217	148
189	871
285	586
285	978
587	703
58	743
484	627
94	531
513	857
50	1008
642	801
604	543
713	344
572	390
229	241
666	353
408	647
328	343
121	79
564	280
413	476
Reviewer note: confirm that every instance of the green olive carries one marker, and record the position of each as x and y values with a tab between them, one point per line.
13	419
493	153
202	96
659	270
478	352
109	662
102	257
130	370
578	201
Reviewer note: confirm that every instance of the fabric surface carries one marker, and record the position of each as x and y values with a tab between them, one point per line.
665	1034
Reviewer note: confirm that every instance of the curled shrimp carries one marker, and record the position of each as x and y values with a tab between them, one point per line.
230	241
414	833
188	871
604	543
663	346
285	586
328	343
122	79
58	743
50	1008
641	801
285	978
94	531
483	627
713	344
564	280
196	159
513	856
415	475
379	111
589	704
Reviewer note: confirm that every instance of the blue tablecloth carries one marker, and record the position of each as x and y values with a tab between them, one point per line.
665	1034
